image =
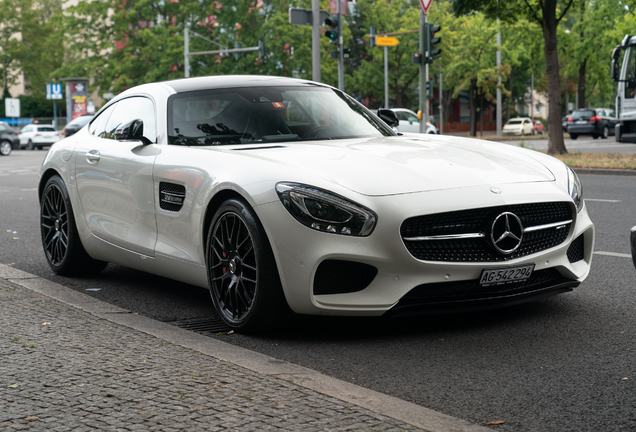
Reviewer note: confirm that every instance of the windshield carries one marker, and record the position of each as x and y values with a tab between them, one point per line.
80	121
582	114
513	122
268	114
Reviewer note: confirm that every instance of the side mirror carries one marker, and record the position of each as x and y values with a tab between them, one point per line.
132	131
389	117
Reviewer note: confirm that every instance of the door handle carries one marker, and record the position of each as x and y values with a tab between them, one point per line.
93	156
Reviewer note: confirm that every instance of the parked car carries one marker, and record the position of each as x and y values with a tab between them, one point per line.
590	122
410	123
8	139
75	125
281	193
518	126
537	127
36	136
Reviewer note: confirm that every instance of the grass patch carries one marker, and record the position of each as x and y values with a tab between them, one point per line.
625	161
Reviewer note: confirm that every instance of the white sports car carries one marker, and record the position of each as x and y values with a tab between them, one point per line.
279	194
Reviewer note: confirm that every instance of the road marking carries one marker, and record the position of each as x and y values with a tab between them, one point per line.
603	200
614	254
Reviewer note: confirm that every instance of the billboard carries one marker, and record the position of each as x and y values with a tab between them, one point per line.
76	97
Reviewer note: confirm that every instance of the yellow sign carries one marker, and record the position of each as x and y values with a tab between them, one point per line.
386	41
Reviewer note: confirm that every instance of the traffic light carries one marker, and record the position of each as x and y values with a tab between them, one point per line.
429	89
332	31
417	58
372	32
431	41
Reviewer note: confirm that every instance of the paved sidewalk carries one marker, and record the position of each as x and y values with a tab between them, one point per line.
71	362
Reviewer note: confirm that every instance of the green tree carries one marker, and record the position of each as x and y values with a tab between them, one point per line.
547	14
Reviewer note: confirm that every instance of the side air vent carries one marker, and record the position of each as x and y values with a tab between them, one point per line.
342	277
576	251
171	196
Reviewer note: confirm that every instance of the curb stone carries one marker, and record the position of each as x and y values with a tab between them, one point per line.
378	403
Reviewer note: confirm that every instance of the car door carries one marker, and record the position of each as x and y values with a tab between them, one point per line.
527	127
24	134
115	178
408	122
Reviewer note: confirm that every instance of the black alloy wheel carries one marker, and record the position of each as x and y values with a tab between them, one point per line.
242	274
62	246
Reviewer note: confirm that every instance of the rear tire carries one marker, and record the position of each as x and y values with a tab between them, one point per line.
30	145
244	283
605	133
60	240
5	148
573	136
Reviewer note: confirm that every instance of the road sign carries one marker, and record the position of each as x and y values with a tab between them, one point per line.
426	4
12	107
299	16
386	41
54	91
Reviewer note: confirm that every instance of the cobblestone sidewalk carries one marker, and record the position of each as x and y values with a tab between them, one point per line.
63	369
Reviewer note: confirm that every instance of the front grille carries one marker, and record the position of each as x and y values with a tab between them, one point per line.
479	221
576	250
340	277
447	292
171	196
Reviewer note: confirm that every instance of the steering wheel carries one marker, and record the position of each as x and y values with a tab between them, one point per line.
314	130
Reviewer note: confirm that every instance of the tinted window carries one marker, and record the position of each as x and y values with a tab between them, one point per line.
80	121
131	109
582	114
266	114
630	76
46	129
98	125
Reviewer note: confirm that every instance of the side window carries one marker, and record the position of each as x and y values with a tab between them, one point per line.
630	76
98	125
130	109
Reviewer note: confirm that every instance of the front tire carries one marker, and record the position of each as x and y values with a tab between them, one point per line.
30	145
605	133
62	246
242	274
5	148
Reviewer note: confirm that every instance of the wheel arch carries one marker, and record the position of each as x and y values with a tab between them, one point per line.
46	175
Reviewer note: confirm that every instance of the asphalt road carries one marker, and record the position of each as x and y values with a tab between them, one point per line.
562	364
584	144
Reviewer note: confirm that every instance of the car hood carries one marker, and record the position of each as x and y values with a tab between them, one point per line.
407	164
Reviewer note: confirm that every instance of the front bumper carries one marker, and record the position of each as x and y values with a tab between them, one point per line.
399	282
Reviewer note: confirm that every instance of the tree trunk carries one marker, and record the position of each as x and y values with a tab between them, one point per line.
508	113
581	89
556	145
472	109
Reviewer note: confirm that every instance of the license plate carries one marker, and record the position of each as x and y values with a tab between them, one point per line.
581	122
505	275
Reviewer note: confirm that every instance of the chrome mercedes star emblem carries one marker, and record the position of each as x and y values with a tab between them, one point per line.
506	232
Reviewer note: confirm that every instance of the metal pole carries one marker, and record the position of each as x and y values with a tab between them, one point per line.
426	105
441	107
386	77
532	96
499	120
423	69
315	40
186	50
340	49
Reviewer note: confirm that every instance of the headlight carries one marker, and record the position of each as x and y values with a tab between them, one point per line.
575	189
325	211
